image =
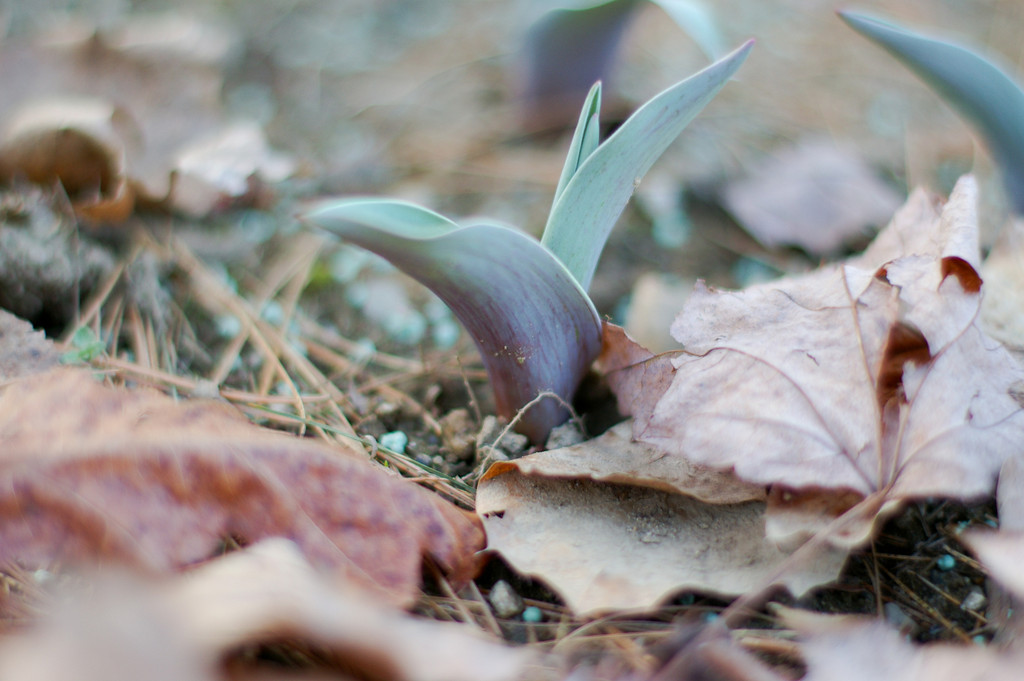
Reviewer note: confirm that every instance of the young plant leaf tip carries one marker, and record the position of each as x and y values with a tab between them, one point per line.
979	90
589	205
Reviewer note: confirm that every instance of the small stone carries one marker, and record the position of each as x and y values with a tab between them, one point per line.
565	435
532	615
395	441
511	445
505	601
457	434
387	409
974	600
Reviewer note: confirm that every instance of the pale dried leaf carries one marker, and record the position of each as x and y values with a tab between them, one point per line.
815	195
616	458
846	648
1002	554
1010	493
165	73
868	376
262	594
96	474
223	167
1002	311
611	524
82	143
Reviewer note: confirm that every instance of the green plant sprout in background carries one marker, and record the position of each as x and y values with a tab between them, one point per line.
524	302
975	87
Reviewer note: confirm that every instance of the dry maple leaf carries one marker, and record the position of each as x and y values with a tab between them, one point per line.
870	377
89	473
193	625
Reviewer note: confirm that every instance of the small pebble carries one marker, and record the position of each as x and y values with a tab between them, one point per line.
532	614
364	350
505	601
457	433
228	326
444	333
974	600
565	435
395	441
945	562
512	444
273	313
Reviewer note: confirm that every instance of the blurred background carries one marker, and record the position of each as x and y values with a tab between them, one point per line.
456	104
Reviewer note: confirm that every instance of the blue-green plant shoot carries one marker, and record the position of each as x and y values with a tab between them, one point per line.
524	302
979	90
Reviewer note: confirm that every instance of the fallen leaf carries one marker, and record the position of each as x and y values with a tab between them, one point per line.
165	74
80	143
225	167
190	626
815	195
871	376
848	648
1002	311
94	474
611	524
1002	552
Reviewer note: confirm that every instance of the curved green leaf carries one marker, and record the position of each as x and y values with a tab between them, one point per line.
585	139
589	206
978	89
536	329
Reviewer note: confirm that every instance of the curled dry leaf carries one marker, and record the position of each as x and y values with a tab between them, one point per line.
193	623
612	524
80	143
165	74
871	377
93	474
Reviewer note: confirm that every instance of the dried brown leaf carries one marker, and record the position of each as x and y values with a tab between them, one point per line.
823	380
97	474
613	524
165	74
187	626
